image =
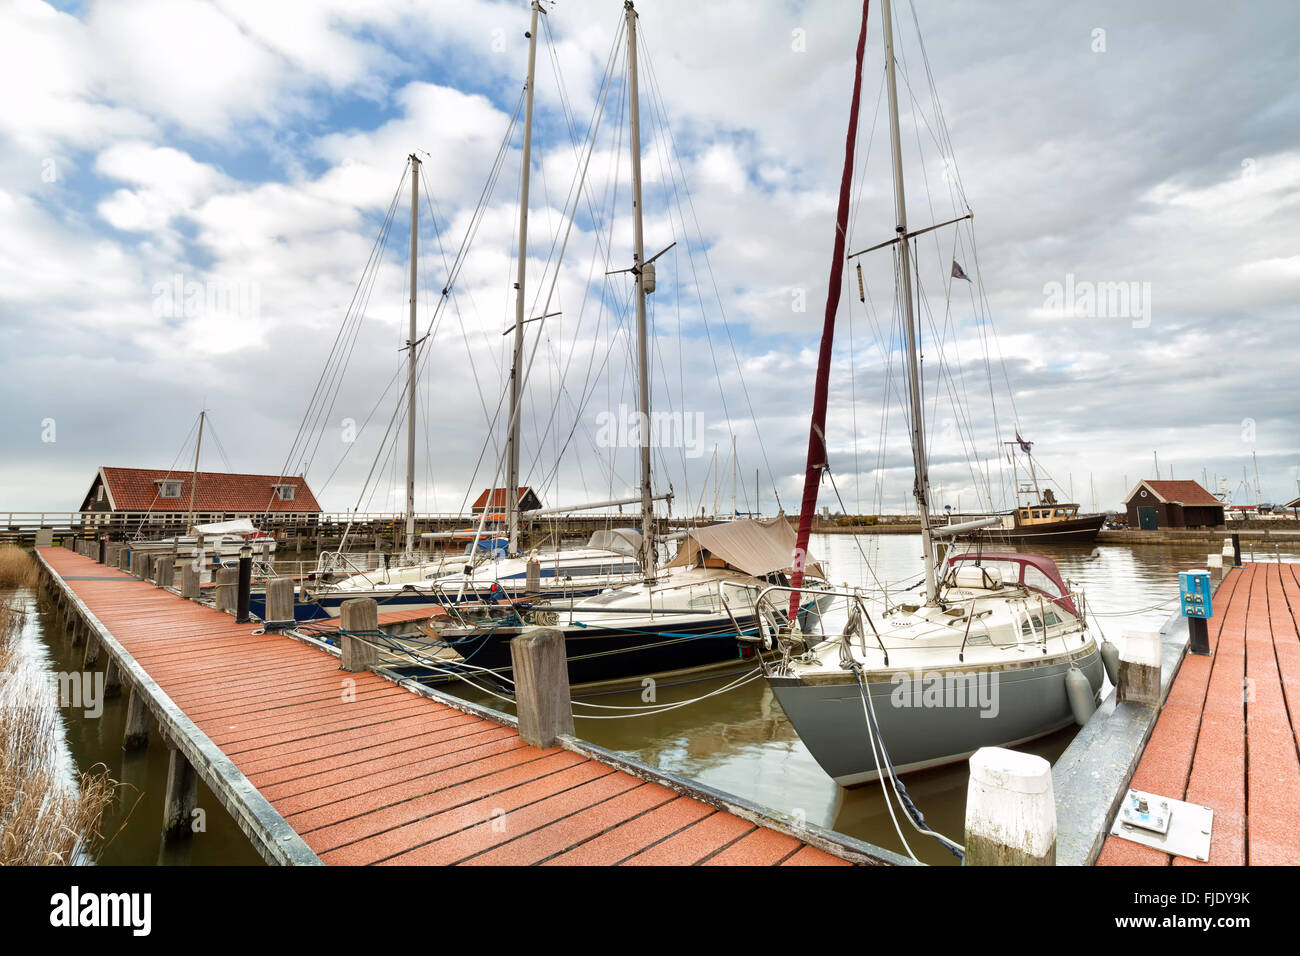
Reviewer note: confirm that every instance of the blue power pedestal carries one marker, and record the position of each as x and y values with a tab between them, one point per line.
1198	606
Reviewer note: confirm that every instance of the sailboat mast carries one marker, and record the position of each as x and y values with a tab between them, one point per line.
194	479
643	364
921	488
521	269
410	361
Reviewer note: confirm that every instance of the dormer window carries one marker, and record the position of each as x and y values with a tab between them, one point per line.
285	492
168	488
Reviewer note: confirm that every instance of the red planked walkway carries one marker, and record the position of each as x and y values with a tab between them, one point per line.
368	772
1227	737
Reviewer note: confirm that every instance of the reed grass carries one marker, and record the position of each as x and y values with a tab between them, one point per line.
17	568
47	816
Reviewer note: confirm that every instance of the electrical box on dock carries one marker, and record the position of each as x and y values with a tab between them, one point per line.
1195	589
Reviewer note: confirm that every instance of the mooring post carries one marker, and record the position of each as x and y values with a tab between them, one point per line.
139	561
190	588
245	584
135	732
533	576
1139	668
1215	563
227	584
358	620
541	675
124	559
279	605
181	795
102	556
1236	550
1010	810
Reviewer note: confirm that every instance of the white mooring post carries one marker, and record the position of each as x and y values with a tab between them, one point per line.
358	615
541	686
1010	810
1215	563
1139	668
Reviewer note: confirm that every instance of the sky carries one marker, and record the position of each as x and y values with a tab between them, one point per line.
190	193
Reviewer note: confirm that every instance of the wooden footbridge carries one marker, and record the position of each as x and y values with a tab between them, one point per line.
321	765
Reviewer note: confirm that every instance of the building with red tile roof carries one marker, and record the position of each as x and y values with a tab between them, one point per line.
163	497
528	500
1155	504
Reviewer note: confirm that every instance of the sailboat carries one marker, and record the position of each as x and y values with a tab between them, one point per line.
996	650
693	612
492	567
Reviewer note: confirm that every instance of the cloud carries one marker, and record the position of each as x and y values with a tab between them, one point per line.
246	155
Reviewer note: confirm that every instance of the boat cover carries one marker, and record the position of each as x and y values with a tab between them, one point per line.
753	545
237	526
619	540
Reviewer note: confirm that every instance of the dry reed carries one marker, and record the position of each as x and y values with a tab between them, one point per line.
48	816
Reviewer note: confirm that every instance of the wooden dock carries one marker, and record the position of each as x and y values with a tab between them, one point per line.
1227	736
319	765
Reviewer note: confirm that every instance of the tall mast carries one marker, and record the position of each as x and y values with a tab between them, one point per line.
194	480
410	362
521	268
921	488
634	113
817	457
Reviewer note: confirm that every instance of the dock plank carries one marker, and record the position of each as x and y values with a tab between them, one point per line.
1228	735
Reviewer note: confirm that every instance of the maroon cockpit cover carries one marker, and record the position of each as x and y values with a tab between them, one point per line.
816	433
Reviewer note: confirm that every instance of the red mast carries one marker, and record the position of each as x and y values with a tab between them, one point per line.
817	431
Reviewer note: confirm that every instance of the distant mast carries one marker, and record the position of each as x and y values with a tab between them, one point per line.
194	479
817	456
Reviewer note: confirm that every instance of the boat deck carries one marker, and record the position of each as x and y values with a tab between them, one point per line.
363	771
1228	734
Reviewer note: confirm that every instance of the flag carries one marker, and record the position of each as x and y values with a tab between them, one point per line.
958	272
1024	445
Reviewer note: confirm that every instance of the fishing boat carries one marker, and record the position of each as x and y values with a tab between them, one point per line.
995	651
1041	517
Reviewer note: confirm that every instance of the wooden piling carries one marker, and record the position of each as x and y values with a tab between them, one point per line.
358	615
279	604
181	795
112	680
135	733
227	586
90	660
164	570
190	588
1139	668
541	686
1010	810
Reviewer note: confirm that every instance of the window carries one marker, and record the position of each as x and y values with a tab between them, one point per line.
101	494
169	488
285	492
